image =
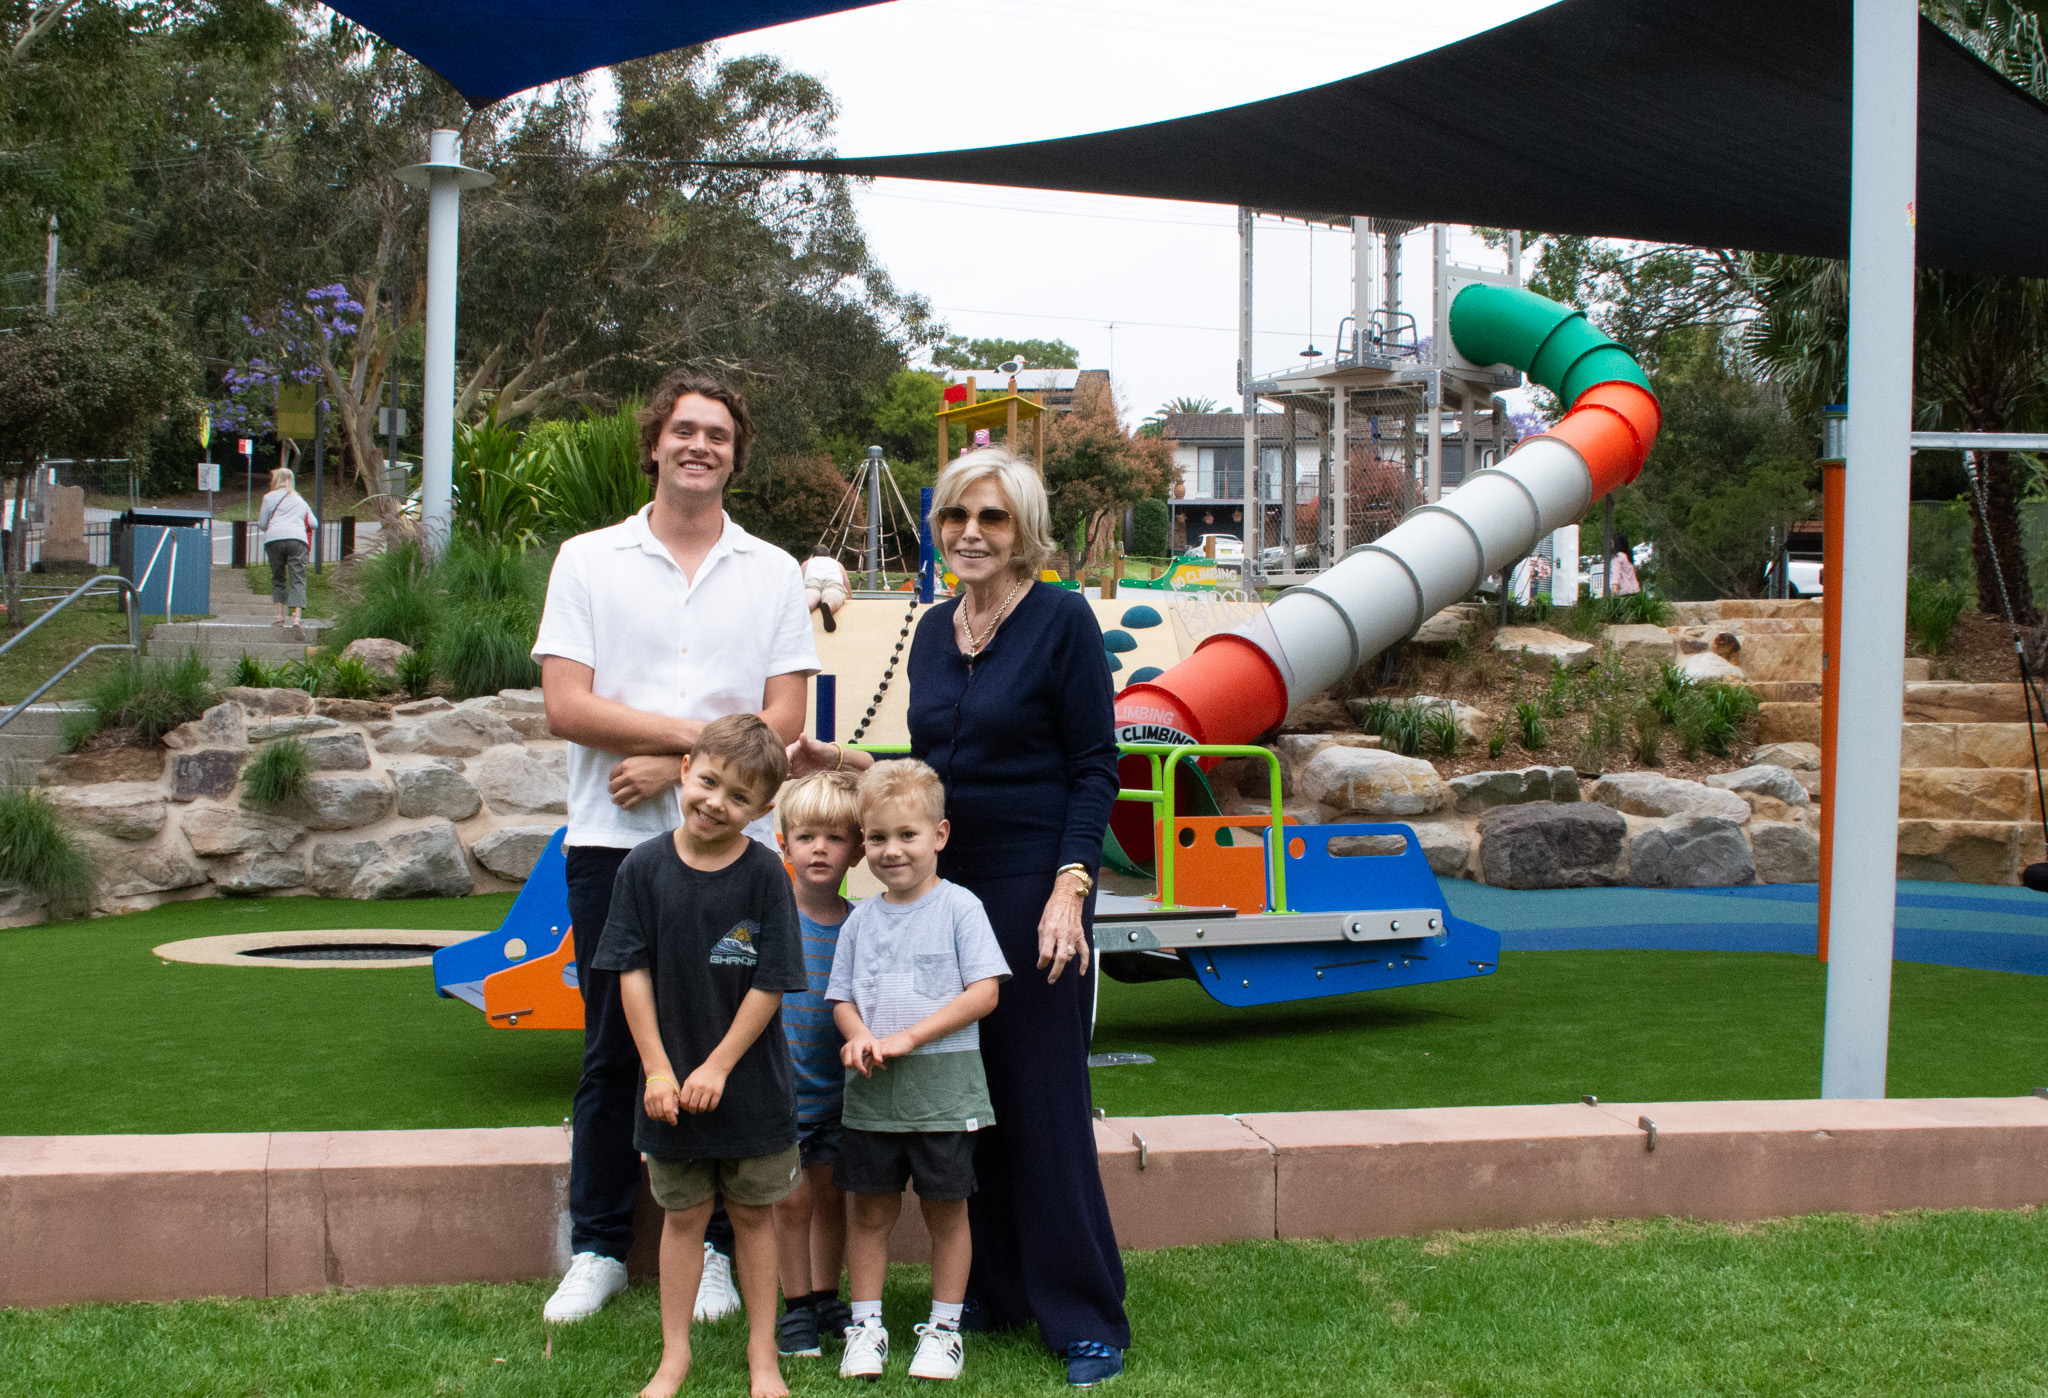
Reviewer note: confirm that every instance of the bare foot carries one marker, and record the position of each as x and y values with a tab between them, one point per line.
767	1377
669	1377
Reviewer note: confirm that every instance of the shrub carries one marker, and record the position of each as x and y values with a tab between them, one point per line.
592	470
278	774
390	597
1151	529
1636	609
1672	685
415	673
251	673
39	852
153	698
1529	726
1498	743
500	493
1931	612
1441	728
1649	734
1373	717
487	650
1694	720
352	679
1402	731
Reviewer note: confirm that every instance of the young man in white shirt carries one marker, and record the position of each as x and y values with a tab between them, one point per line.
653	628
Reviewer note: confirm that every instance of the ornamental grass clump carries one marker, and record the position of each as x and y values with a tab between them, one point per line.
278	774
38	851
151	699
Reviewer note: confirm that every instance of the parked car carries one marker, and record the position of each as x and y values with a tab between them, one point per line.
1803	575
1274	560
1221	547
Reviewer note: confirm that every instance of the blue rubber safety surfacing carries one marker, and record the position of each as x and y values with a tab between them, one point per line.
1320	881
539	917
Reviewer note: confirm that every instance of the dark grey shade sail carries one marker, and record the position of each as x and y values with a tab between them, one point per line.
1721	124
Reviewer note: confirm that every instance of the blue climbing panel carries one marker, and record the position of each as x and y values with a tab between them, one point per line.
533	929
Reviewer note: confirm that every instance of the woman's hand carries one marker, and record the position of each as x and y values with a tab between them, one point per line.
1061	938
808	755
640	779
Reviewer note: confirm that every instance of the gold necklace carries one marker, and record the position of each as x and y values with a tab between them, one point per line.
976	645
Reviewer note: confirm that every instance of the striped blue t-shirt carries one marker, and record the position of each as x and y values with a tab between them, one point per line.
814	1040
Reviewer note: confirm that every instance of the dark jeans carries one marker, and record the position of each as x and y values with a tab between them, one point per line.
604	1168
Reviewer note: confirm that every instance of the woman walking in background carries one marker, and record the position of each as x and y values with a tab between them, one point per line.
287	523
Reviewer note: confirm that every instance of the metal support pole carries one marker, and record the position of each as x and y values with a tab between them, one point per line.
1340	475
1607	546
927	555
876	583
1289	469
1863	855
319	478
1433	437
1250	401
50	270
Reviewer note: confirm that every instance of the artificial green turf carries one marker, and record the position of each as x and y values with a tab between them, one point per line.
101	1036
1948	1303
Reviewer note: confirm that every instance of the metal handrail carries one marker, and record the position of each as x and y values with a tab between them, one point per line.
47	685
120	584
108	584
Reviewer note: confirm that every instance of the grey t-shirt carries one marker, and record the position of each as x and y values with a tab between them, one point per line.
897	963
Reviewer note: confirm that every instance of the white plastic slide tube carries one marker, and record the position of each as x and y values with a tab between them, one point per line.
1381	592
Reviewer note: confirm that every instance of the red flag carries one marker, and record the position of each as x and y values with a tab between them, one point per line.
956	393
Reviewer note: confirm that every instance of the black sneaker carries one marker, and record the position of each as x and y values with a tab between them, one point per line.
796	1334
834	1315
825	615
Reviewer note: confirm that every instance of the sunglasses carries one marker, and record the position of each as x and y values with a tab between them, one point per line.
990	518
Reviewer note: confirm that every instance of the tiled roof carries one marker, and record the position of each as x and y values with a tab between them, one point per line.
1229	427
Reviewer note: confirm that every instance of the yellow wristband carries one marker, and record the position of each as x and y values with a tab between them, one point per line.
653	1078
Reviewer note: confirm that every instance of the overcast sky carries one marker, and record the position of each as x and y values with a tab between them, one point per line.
1147	288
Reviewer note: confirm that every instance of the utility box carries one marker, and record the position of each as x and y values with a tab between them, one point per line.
171	567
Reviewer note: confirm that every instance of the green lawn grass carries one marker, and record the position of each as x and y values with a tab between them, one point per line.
1921	1304
90	621
104	1037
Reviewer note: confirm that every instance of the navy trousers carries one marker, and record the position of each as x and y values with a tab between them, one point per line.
604	1168
1044	1250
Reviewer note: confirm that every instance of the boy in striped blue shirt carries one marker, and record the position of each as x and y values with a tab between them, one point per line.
821	839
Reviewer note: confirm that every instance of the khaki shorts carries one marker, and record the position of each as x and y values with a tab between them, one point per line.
678	1185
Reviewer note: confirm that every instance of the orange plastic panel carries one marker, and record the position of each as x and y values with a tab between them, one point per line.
1211	875
533	994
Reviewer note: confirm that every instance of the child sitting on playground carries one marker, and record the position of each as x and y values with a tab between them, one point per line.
914	971
820	836
703	930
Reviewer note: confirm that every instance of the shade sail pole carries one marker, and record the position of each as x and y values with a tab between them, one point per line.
1863	853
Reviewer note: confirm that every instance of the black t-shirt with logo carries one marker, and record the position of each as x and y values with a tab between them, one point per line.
708	939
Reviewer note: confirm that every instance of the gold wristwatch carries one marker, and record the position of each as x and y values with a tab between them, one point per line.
1080	870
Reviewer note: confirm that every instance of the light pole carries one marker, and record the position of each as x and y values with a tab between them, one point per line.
444	177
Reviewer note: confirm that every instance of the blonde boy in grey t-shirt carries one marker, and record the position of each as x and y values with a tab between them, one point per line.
913	972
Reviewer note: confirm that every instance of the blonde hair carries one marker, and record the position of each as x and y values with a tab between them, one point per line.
906	780
749	746
1022	490
283	478
830	800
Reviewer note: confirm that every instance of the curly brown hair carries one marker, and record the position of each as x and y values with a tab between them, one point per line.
681	383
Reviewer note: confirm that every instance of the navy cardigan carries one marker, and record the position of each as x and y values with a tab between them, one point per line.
1024	736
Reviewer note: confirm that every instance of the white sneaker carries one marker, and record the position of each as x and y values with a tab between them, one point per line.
867	1351
716	1296
592	1280
940	1353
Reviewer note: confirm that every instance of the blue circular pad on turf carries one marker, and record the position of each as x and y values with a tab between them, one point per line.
1141	616
1115	641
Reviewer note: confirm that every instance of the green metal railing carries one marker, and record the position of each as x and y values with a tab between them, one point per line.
1164	758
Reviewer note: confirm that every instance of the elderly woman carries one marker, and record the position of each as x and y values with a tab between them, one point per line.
287	524
1010	701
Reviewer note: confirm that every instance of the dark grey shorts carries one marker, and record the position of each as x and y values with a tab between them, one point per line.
882	1162
819	1144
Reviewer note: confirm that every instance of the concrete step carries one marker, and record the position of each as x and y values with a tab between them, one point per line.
40	719
224	641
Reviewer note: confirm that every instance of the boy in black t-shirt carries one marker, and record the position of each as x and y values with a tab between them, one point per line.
704	932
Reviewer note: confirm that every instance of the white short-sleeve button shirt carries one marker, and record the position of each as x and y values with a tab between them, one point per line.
662	644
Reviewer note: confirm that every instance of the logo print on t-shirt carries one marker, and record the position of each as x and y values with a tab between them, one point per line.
736	948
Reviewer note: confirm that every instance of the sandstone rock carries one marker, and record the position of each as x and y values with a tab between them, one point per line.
1548	844
456	733
1960	851
342	802
19	907
262	872
1357	740
1370	782
1785	851
1476	726
337	752
1479	791
295	726
1690	851
1539	644
1447	845
1795	656
380	655
1728	646
1766	779
420	708
522	701
1811	781
269	703
1994	745
1796	757
1649	794
1786	691
124	810
209	773
353	710
511	852
103	765
1788	722
516	780
1917	668
1709	666
1297	748
1651	644
1319	715
430	789
129	870
1447	628
221	830
1965	793
1964	703
219	727
426	861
